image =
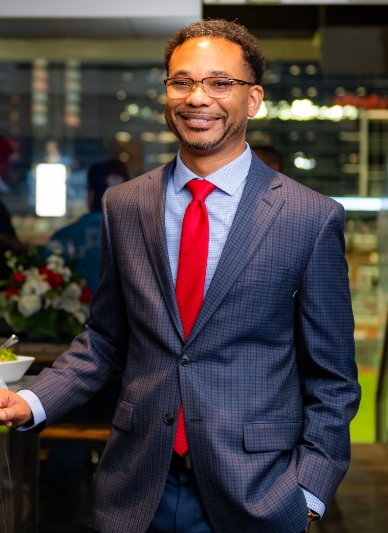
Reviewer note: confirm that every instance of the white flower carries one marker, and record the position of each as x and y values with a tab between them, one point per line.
80	316
35	283
72	291
69	299
85	309
55	263
29	304
66	273
69	305
11	262
55	302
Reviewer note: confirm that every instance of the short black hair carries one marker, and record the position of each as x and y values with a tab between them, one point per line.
221	29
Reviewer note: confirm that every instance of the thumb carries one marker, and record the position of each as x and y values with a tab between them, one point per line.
6	398
6	416
7	413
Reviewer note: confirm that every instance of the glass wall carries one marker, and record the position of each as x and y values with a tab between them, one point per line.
78	114
331	130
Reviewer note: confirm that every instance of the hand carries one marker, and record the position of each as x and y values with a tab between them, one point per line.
310	519
14	411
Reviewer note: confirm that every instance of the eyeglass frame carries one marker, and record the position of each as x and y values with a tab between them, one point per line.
241	82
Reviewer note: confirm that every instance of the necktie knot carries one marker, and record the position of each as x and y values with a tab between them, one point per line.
200	189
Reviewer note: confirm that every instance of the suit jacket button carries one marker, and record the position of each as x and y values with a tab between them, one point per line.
169	419
185	361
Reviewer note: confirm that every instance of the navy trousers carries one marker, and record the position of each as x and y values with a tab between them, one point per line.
180	509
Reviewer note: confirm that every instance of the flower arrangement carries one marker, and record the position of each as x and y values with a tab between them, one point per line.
45	298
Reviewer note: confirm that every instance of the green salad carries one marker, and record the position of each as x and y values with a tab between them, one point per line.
7	355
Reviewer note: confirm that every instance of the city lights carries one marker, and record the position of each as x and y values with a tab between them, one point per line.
303	163
302	110
262	112
357	203
123	136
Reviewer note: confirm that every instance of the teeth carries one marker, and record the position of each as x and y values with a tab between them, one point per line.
197	120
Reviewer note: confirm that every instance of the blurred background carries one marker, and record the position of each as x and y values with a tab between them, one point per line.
82	83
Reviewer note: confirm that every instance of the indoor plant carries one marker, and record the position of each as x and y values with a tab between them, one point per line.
44	297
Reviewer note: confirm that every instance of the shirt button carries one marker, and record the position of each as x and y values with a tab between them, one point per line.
169	419
185	361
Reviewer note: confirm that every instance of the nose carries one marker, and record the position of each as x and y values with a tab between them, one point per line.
198	97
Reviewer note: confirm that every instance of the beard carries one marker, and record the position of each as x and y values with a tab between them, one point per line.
228	131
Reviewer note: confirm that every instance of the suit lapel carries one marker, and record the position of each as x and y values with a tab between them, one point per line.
258	208
151	202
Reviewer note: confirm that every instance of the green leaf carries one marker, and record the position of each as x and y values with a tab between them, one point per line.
51	294
4	303
69	325
41	324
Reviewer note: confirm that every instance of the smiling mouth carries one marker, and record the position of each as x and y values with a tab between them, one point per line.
198	119
195	119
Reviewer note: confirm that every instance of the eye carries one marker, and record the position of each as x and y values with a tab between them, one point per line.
180	84
221	83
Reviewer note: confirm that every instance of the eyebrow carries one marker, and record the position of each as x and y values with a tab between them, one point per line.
185	73
181	73
221	73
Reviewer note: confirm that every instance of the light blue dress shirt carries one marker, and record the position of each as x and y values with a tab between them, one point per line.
222	205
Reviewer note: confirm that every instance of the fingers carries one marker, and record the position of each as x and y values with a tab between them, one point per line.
4	398
14	411
7	415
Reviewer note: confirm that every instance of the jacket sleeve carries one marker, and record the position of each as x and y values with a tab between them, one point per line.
95	356
326	362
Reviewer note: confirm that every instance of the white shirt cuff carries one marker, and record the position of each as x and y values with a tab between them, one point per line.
314	503
37	409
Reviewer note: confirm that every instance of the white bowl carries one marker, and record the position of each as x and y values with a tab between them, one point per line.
12	371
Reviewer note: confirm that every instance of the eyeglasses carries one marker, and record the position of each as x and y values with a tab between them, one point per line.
215	87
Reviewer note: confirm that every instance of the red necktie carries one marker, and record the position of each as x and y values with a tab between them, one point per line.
190	281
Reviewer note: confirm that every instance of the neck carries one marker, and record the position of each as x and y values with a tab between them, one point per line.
204	162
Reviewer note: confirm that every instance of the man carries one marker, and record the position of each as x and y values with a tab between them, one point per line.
258	381
82	239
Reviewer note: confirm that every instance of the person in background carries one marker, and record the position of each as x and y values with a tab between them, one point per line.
82	239
270	156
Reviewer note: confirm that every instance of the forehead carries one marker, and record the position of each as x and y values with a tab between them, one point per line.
208	56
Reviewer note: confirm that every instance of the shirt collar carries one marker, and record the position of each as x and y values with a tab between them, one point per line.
227	178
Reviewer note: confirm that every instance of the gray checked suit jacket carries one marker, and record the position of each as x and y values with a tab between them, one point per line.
272	383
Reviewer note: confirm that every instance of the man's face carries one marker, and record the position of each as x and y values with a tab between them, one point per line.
199	121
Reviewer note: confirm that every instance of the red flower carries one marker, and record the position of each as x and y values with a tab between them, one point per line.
10	291
86	295
53	278
19	277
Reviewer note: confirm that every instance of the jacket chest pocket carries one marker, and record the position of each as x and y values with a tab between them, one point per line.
263	274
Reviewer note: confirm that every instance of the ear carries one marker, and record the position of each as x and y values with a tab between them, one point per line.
255	97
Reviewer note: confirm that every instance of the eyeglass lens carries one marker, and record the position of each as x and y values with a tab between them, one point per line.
214	87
